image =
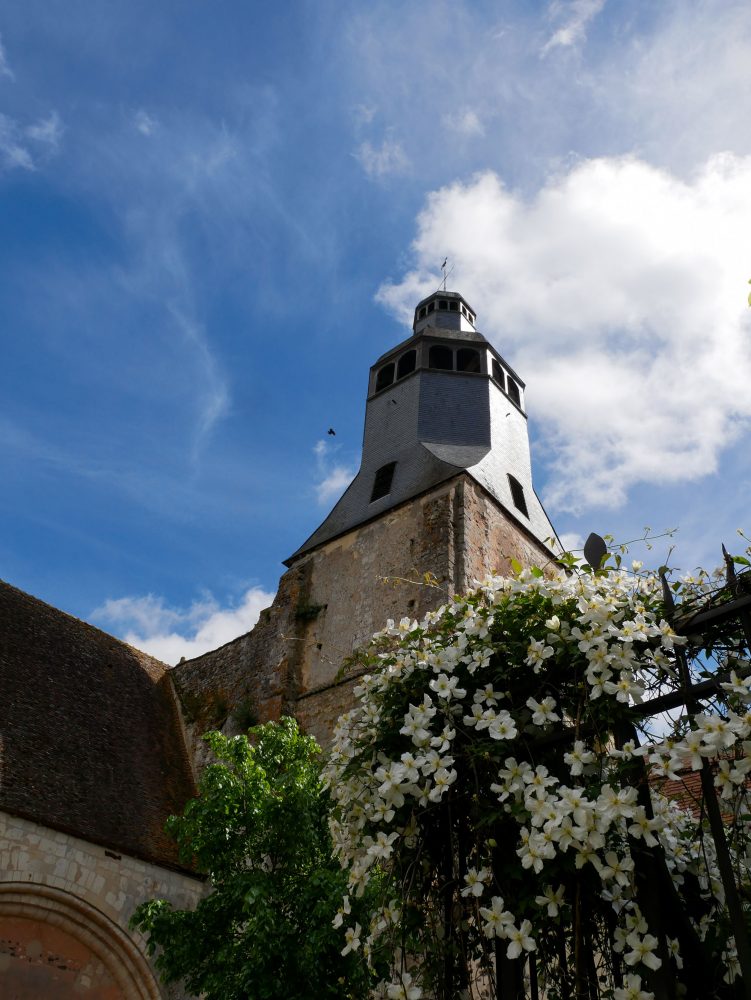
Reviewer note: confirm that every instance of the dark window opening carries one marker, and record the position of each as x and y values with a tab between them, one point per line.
513	392
382	481
467	360
498	374
443	304
423	312
471	318
384	377
431	307
464	311
454	306
407	363
517	495
441	357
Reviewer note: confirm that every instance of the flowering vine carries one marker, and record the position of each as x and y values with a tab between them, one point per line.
496	778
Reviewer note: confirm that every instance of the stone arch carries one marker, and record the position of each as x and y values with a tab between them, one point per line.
63	921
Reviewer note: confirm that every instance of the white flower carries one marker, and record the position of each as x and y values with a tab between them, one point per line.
442	781
537	653
475	882
617	868
512	778
539	779
343	909
642	950
382	847
352	937
446	687
643	827
614	804
442	742
404	990
625	688
631	990
578	758
552	898
487	695
496	918
737	685
675	952
502	727
519	940
543	711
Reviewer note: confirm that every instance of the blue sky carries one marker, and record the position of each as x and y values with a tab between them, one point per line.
215	218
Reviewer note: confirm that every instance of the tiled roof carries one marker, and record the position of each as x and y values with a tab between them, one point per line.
90	739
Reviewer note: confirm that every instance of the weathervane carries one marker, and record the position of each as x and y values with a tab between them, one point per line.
446	274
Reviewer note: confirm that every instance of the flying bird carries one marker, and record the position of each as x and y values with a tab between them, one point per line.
332	431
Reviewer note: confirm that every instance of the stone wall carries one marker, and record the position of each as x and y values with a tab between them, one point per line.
64	911
332	599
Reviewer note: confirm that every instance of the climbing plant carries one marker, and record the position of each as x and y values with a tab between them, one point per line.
506	779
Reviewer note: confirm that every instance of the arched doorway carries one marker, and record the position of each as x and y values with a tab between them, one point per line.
53	944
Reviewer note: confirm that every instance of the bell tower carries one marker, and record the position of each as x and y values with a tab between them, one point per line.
443	497
439	404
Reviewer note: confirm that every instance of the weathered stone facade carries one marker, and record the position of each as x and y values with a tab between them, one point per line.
64	911
334	597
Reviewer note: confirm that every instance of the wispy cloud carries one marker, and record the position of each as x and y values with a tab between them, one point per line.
5	69
47	131
364	114
575	16
619	289
465	122
332	477
212	389
15	151
169	633
379	161
144	122
188	170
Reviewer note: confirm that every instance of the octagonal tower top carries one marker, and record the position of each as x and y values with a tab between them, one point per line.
448	310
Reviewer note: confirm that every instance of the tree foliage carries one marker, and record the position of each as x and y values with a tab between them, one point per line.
493	769
259	831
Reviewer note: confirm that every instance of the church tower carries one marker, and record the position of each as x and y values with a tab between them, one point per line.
444	489
440	403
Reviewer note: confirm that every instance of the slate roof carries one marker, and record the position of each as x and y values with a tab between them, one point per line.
90	737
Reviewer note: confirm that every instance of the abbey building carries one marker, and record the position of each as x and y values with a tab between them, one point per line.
100	743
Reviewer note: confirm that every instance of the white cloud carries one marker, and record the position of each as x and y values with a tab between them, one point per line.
571	541
14	150
47	131
5	69
212	390
334	484
144	122
576	16
619	290
466	122
364	114
13	153
388	158
684	91
333	477
171	633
